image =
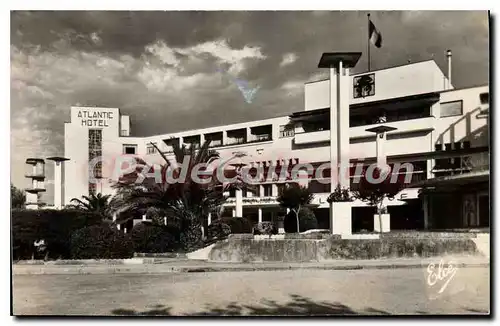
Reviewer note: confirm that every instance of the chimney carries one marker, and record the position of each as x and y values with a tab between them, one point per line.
448	59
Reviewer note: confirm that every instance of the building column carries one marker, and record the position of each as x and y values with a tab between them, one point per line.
274	189
58	195
334	125
114	220
224	137
426	211
260	214
239	203
249	134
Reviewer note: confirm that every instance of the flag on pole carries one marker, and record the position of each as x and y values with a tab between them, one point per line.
375	36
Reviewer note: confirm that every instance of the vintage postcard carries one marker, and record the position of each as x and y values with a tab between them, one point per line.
250	163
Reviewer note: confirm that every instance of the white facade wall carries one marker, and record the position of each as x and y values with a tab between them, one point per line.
412	136
418	78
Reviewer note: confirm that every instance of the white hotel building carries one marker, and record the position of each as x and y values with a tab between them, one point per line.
434	124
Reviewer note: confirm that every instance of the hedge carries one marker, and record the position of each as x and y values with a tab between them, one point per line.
101	242
307	221
53	226
151	238
265	228
238	224
218	230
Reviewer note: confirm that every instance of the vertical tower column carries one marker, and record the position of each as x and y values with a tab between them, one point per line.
37	176
58	181
334	158
339	64
344	85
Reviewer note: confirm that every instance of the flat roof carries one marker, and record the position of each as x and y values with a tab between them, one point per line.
348	59
386	68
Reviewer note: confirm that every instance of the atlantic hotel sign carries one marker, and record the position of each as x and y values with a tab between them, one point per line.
95	118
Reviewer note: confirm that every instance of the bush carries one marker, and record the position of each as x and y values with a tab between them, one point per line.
150	238
267	228
218	230
55	227
191	238
307	221
238	224
101	242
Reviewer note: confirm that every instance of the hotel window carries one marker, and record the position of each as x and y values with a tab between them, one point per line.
281	187
364	86
287	131
95	151
130	149
268	190
450	109
150	149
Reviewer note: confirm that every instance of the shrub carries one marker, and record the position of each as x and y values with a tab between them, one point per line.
101	242
238	224
55	227
307	221
218	230
150	238
191	237
267	228
339	195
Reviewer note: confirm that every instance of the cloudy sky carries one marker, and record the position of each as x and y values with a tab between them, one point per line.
176	70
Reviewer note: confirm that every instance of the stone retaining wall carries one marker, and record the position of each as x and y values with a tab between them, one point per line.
243	248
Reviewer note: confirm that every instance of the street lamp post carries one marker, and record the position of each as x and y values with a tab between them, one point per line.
382	220
381	134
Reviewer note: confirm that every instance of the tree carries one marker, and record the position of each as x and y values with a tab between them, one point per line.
295	197
307	220
339	195
386	185
184	203
17	197
97	203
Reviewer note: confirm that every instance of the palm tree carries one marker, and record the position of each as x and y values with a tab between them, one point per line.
97	203
183	203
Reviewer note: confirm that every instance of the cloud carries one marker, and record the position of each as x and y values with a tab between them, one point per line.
293	88
236	59
288	59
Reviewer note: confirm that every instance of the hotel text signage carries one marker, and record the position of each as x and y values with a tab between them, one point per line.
95	118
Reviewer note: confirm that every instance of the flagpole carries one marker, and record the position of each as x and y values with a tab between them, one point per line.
369	57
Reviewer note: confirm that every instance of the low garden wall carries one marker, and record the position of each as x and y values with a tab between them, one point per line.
246	248
264	250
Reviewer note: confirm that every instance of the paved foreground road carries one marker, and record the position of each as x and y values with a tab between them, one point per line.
295	292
